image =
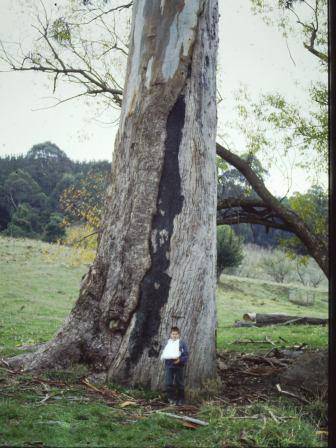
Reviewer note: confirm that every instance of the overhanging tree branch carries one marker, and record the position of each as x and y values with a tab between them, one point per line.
103	13
247	210
239	202
316	247
248	219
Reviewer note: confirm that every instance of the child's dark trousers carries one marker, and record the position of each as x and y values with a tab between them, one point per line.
174	383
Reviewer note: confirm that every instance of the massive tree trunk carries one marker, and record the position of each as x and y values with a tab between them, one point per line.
155	263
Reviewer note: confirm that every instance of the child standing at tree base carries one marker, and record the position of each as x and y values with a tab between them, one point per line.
175	354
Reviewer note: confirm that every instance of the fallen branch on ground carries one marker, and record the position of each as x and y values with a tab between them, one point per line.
107	392
259	416
290	394
266	340
263	359
262	371
273	416
248	417
185	418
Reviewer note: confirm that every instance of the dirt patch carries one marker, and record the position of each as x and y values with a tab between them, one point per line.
244	378
309	373
247	377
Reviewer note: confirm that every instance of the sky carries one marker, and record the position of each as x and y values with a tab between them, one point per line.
250	53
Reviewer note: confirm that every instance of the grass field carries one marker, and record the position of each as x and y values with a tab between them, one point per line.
38	286
236	296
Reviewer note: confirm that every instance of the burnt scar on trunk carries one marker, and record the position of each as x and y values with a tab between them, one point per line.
154	289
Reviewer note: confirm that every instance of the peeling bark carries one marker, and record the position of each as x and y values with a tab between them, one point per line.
153	268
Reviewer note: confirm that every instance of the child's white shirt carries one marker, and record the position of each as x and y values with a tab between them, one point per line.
171	350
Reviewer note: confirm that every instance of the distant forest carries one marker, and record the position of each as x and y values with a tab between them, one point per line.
31	187
44	191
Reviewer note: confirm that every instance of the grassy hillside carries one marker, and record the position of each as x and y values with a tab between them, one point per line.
39	283
236	296
37	291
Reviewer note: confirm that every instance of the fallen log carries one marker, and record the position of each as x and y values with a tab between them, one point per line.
262	320
243	323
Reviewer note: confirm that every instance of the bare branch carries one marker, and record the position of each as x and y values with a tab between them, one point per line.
289	52
322	56
57	66
45	36
55	81
313	29
310	6
118	8
239	202
241	219
116	93
60	102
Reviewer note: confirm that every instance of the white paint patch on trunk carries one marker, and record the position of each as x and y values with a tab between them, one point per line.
181	36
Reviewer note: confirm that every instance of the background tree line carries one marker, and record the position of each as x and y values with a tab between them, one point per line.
44	192
31	189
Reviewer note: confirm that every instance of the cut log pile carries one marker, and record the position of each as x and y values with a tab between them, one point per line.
262	320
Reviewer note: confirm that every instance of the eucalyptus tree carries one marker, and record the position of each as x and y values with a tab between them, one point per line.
156	257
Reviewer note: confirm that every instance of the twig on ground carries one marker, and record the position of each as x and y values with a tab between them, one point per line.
273	416
185	417
3	361
270	351
283	339
45	398
290	394
267	339
263	359
248	417
261	371
7	367
111	394
221	399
